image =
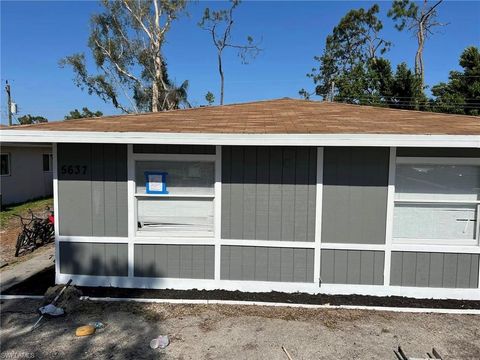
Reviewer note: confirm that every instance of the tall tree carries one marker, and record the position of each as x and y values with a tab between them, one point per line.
406	91
421	20
354	45
126	42
461	95
86	113
30	119
219	24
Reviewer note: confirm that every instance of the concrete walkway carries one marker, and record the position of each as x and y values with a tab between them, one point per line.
23	270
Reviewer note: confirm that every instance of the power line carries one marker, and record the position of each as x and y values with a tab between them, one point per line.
9	103
377	101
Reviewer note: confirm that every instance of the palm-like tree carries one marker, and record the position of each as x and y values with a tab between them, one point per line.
175	97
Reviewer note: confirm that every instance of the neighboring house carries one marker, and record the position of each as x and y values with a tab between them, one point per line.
284	195
26	172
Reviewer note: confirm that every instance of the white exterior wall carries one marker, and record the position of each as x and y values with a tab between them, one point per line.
26	180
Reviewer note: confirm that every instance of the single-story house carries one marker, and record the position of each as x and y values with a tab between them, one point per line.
286	195
26	171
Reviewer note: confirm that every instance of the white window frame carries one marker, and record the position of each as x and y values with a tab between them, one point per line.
50	162
165	238
9	161
437	242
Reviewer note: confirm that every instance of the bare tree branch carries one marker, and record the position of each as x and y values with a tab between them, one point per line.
209	22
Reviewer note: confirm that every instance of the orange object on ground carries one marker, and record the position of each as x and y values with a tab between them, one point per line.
85	330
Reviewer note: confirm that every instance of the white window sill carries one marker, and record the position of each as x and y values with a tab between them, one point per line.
176	195
175	235
174	240
435	242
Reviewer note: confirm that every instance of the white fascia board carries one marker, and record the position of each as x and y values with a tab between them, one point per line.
386	140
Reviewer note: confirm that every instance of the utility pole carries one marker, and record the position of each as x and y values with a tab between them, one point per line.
9	103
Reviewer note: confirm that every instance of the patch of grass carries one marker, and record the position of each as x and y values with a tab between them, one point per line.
21	209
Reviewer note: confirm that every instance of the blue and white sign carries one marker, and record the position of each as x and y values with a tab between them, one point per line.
156	182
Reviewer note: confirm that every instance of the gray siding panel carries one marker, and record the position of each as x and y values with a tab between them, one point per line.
378	267
262	196
355	195
422	269
266	264
174	261
474	280
98	197
352	267
226	191
94	202
268	193
236	194
275	196
274	264
249	193
99	259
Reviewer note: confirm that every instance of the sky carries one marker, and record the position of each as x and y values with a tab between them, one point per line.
35	35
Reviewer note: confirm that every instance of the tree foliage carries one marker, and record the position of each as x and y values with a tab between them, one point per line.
210	98
126	42
30	119
219	25
351	49
461	94
421	20
86	113
352	68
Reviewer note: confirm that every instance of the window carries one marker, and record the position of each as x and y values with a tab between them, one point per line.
175	197
5	164
436	201
47	162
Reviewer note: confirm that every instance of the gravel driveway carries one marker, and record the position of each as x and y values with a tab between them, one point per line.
233	332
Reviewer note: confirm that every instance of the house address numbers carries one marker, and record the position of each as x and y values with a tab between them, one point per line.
73	169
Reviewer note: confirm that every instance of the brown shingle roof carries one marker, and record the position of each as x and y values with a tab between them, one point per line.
282	116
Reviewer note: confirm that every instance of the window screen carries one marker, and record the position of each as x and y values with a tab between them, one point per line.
182	177
47	162
185	207
436	203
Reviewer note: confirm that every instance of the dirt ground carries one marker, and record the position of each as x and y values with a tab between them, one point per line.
9	233
233	332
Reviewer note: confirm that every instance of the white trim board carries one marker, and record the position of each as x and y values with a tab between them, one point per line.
93	239
271	243
266	286
387	140
131	203
56	223
288	305
217	218
260	303
392	166
317	278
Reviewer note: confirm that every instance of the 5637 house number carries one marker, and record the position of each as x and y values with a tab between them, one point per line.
73	169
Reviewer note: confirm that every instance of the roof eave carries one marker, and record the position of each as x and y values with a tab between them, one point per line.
397	140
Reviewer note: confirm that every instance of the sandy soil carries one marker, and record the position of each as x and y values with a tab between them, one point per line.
233	332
